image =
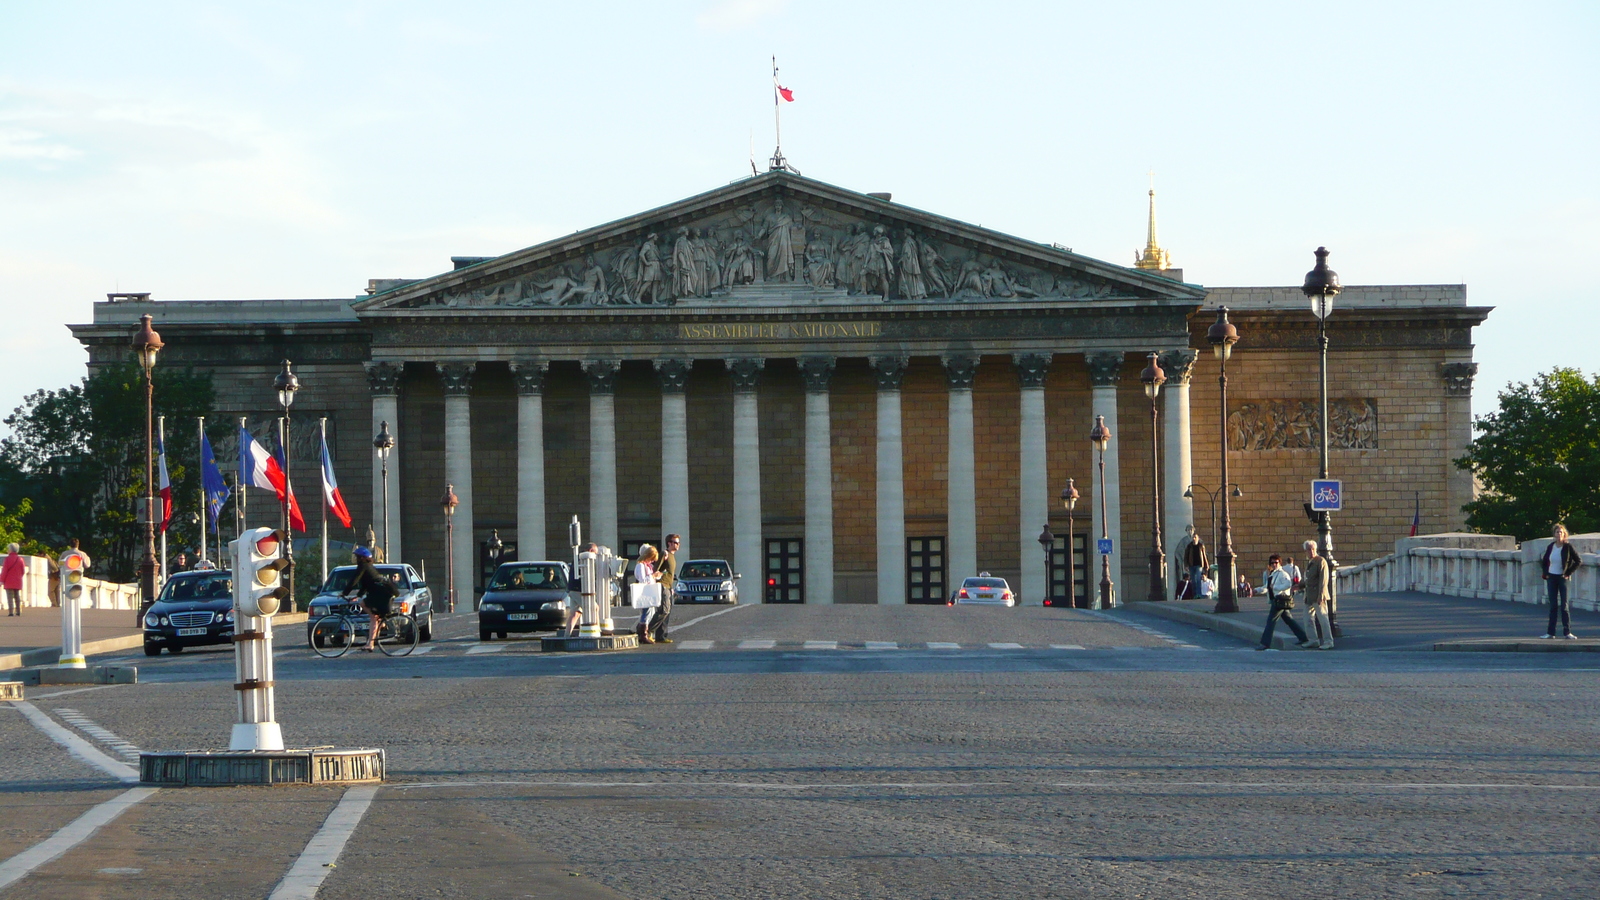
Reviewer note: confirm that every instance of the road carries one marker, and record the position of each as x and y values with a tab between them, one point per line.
848	752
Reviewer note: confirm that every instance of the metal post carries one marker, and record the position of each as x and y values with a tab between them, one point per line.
1158	555
450	554
1104	601
161	432
1227	579
288	491
205	508
147	567
322	426
1072	564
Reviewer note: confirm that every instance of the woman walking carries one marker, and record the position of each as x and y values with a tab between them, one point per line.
646	592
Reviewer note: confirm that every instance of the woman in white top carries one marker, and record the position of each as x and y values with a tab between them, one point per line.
644	572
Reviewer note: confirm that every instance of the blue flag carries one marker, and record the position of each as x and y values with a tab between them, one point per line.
216	490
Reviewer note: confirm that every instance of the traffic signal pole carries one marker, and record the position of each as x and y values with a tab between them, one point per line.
258	590
73	563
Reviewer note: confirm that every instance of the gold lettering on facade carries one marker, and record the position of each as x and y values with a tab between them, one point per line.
779	331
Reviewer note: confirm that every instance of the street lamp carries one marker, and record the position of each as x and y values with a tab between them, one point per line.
1211	496
1321	286
146	344
1153	378
286	384
497	547
1101	437
1047	540
383	443
1069	499
1223	335
448	503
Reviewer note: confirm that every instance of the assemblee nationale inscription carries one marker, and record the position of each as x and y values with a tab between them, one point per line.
778	331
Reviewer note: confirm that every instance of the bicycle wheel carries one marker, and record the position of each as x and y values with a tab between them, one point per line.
333	636
397	636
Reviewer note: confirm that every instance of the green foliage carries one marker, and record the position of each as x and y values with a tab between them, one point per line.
1537	458
79	455
12	530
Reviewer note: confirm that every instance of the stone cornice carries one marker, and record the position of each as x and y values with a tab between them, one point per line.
1348	329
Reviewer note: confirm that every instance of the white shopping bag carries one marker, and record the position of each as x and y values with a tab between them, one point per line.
642	595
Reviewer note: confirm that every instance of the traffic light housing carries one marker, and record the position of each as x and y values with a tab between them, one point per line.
72	566
260	586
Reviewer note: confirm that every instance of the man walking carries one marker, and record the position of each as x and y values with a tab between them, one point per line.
667	569
1558	564
1280	594
1195	558
1318	588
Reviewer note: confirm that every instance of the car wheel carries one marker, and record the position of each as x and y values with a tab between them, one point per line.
485	635
427	631
504	635
152	649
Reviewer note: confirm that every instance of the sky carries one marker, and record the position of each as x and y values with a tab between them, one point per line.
229	151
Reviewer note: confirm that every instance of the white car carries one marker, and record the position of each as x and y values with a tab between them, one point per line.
984	590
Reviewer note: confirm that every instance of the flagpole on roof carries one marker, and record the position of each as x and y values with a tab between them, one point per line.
161	436
777	119
322	426
205	505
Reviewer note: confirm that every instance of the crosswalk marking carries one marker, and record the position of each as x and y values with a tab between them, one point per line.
476	649
1066	646
1005	646
822	645
695	645
421	650
882	645
757	645
126	749
943	645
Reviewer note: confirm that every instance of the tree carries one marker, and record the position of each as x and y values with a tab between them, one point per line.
78	454
1537	458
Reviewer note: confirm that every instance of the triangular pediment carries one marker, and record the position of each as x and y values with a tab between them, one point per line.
780	238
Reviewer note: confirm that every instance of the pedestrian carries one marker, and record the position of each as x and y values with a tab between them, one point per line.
1208	585
667	577
1183	587
1557	565
646	591
181	562
1243	590
1195	558
1293	571
1280	593
11	579
1318	585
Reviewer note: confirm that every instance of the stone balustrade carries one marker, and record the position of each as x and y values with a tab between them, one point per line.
97	594
1484	572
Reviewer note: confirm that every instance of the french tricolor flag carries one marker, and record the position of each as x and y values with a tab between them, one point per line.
330	488
164	485
259	468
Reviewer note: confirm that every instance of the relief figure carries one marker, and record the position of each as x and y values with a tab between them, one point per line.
877	269
779	232
912	286
649	272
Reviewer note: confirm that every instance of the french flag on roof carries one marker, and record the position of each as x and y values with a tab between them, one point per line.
330	488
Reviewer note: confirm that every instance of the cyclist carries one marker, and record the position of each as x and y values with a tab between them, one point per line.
376	591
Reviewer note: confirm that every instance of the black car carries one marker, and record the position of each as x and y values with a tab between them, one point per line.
195	609
524	597
412	597
707	581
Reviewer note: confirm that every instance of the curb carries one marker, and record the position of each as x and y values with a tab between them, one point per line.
1518	646
1220	623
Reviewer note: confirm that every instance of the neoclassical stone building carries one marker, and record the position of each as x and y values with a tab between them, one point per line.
851	399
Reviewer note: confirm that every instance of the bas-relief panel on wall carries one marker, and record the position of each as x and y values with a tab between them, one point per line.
778	242
1293	425
304	436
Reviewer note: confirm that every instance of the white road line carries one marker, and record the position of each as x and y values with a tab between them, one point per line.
98	687
74	833
822	645
1066	646
1005	646
316	861
77	746
93	729
476	649
757	645
720	612
943	645
421	650
694	645
882	645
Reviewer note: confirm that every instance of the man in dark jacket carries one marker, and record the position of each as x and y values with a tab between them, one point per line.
1196	560
1557	565
667	568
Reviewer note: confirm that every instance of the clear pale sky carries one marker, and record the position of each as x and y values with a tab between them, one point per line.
210	151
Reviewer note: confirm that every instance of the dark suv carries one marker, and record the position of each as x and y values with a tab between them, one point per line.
194	609
707	581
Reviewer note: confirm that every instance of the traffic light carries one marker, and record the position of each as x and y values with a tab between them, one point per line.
71	576
259	564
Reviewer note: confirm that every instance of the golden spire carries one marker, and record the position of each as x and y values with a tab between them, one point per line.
1153	257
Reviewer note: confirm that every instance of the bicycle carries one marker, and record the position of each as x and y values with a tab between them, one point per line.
335	633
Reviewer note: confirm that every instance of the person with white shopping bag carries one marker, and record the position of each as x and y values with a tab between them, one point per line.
645	592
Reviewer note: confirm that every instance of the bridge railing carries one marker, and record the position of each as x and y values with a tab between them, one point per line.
1484	573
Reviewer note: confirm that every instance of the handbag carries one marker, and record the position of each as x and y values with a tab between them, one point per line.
643	595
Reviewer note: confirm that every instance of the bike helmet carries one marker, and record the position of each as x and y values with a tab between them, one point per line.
363	553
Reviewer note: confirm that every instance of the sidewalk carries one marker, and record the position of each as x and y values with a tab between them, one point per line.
34	638
1400	621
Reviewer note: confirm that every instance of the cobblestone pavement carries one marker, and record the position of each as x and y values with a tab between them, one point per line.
1133	770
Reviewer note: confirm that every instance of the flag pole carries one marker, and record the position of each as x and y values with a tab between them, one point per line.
161	434
777	118
240	506
205	508
322	425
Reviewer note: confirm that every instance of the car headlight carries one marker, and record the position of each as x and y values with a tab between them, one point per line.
727	586
405	606
227	615
554	604
163	620
490	607
151	621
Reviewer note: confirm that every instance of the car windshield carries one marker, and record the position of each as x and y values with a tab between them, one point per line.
704	569
529	577
984	583
211	586
339	579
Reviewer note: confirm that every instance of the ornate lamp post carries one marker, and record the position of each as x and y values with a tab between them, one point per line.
448	503
1223	335
1069	499
1101	438
1321	286
1211	495
1153	378
286	384
383	443
1047	540
146	344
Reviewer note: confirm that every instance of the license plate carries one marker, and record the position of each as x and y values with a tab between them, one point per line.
702	598
985	596
523	617
191	632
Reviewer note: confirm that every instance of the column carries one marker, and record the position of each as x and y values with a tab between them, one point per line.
961	541
457	380
816	371
749	553
1034	483
602	524
891	483
1458	434
1104	367
529	375
383	379
1176	474
673	374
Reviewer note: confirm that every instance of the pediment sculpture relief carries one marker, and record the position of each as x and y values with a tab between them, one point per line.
778	242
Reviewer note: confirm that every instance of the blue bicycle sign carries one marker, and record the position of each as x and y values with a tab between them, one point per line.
1327	496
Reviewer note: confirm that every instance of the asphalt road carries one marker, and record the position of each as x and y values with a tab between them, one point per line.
1047	753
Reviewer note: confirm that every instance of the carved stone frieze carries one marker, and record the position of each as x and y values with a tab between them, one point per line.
816	371
889	370
1031	368
746	373
1105	366
456	377
1293	425
1458	378
529	376
602	375
1179	365
383	379
959	370
673	375
305	435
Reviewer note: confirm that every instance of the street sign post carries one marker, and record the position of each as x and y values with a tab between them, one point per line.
1104	546
1327	495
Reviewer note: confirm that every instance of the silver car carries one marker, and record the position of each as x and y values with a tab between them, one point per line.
984	589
